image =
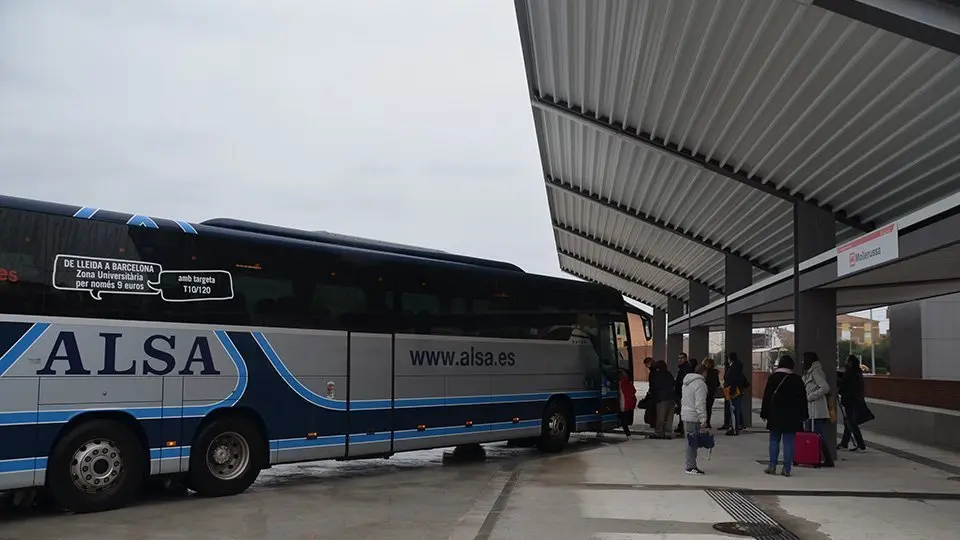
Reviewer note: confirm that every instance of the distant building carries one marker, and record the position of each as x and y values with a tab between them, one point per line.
858	330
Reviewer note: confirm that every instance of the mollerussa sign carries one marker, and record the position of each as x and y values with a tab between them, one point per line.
871	249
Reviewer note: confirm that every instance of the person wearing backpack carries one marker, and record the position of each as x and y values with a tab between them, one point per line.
735	385
785	410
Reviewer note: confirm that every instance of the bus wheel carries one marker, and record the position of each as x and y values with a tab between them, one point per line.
226	458
555	430
99	465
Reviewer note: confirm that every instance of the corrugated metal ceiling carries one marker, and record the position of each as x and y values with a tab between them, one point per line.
678	131
631	289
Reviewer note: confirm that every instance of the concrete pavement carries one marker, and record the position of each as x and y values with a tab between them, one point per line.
609	489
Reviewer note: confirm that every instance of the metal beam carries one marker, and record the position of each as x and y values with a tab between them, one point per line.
628	295
626	253
619	130
635	214
930	23
597	266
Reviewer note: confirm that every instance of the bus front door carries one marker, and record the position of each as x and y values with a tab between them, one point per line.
610	368
370	375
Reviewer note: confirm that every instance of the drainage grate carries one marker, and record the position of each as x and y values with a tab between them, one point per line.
751	519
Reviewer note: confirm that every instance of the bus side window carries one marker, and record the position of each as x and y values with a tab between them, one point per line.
339	306
265	284
23	263
419	310
107	240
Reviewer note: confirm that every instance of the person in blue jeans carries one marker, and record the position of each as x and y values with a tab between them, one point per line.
735	385
785	410
818	410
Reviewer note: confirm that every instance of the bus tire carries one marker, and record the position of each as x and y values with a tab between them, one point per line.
555	428
98	465
226	457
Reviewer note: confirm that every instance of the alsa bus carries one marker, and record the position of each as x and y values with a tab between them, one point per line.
132	346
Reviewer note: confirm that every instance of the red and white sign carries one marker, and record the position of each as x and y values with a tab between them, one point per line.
871	249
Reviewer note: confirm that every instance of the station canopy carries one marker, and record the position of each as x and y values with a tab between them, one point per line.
674	133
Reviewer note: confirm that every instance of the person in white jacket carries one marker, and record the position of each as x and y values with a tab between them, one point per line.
693	414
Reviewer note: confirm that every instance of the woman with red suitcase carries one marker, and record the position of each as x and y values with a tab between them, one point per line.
785	410
818	406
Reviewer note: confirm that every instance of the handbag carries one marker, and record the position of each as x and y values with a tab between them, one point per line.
865	415
832	408
706	440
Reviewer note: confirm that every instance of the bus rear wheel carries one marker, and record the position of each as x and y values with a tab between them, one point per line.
226	457
555	429
99	465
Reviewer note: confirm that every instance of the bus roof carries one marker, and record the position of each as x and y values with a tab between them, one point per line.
294	237
355	241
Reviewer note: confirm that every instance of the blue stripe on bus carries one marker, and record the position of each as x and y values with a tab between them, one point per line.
40	463
446	431
238	390
302	444
362	438
140	413
25	342
85	213
138	220
170	452
295	384
18	465
154	413
376	404
185	226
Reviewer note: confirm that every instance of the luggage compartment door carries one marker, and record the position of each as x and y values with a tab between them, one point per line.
370	376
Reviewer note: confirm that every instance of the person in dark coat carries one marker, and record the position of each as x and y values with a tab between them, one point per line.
785	410
684	368
713	386
854	403
648	404
735	385
662	393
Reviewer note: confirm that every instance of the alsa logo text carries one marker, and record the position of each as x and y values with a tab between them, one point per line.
8	275
162	357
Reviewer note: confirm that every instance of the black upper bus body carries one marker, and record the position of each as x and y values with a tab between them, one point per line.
285	278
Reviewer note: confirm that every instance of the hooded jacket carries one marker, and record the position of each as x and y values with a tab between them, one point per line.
693	403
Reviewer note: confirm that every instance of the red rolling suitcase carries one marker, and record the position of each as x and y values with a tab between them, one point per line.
806	451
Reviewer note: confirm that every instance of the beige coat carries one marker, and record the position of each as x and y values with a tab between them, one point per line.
817	389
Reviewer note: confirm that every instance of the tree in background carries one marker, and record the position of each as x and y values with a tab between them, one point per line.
881	352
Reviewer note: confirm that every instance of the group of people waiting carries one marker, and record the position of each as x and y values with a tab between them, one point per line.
805	403
792	403
692	394
665	395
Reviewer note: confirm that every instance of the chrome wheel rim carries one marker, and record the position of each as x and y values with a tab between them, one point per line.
96	465
557	425
228	456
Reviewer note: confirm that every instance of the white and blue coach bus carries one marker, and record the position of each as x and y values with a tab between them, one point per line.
132	346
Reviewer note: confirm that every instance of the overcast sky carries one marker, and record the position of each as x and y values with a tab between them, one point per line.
399	120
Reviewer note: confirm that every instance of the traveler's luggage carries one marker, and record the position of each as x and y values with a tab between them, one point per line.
806	452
